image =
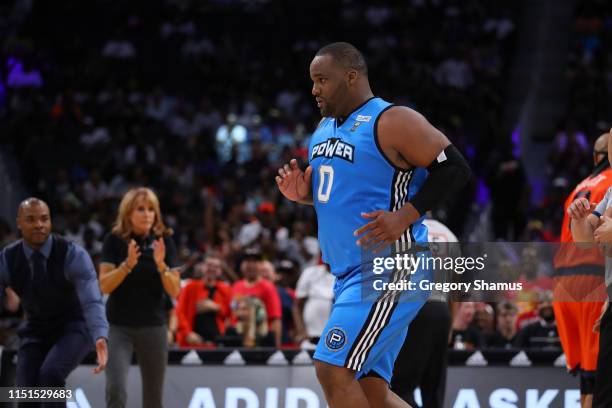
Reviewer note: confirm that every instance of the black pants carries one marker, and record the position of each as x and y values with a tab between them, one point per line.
422	359
602	397
47	361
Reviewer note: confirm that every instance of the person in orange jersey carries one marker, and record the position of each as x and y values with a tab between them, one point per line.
579	289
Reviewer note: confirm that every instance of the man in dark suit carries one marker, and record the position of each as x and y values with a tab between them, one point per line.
58	288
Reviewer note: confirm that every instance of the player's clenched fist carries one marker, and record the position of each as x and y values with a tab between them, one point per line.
294	183
579	209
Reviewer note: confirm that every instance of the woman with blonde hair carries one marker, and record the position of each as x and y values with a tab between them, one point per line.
138	271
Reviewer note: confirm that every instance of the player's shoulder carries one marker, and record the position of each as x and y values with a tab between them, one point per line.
400	113
397	117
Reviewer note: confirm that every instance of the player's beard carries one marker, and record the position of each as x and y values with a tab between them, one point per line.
326	110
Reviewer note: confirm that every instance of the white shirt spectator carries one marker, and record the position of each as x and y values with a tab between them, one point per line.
249	233
316	285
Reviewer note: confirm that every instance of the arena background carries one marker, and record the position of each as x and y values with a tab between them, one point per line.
203	100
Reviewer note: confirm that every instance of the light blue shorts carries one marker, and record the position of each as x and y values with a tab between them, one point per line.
365	333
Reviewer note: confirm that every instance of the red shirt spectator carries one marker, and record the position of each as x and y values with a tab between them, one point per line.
262	290
254	285
203	305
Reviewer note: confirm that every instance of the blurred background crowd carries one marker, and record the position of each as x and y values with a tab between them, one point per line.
203	101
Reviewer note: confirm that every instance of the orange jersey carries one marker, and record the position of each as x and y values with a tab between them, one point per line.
594	189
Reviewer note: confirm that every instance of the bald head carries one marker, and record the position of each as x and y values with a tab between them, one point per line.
34	221
31	202
600	148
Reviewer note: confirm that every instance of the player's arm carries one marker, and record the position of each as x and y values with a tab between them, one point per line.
408	140
419	144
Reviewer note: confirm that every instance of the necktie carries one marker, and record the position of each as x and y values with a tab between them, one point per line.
39	271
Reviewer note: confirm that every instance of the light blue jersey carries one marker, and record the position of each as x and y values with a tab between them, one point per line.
351	176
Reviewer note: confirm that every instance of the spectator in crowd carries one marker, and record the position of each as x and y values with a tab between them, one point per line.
138	270
505	333
301	247
281	276
251	324
527	305
484	319
543	333
203	305
254	285
313	302
464	335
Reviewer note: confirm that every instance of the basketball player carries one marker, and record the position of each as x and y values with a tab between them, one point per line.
375	169
579	282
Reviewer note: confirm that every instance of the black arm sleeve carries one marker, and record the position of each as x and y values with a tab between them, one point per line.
447	174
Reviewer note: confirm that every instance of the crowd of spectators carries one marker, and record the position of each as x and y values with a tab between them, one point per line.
203	101
481	326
